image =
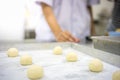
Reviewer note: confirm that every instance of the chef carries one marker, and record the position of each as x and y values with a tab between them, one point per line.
65	20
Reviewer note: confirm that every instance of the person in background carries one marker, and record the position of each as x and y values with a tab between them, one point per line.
114	22
65	20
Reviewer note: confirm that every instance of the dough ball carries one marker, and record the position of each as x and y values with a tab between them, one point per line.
57	50
71	57
12	52
25	60
95	65
116	75
35	72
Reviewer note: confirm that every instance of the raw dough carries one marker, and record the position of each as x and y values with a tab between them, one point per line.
57	50
95	65
71	57
26	60
12	52
35	72
116	75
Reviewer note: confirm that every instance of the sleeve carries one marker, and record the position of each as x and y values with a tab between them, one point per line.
93	2
48	2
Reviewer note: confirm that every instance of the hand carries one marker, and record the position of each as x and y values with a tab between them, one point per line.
65	36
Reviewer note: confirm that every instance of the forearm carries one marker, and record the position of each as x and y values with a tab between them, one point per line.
50	18
61	36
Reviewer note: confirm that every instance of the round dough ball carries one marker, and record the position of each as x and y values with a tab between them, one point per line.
12	52
95	65
26	60
57	50
35	72
116	75
71	57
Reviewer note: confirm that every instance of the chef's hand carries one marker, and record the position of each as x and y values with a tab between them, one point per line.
66	36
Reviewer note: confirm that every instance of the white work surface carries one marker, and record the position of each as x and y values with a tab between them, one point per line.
55	66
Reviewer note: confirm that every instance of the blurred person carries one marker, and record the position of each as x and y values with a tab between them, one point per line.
65	20
114	22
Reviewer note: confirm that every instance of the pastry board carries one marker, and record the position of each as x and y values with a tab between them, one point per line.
55	66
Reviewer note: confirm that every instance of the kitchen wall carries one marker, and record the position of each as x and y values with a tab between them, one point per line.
12	20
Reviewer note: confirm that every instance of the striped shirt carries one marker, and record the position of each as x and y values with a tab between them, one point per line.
116	14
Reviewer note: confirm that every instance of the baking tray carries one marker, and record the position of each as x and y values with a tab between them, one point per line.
107	43
55	66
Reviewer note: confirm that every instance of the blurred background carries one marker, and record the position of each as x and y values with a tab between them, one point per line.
19	18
